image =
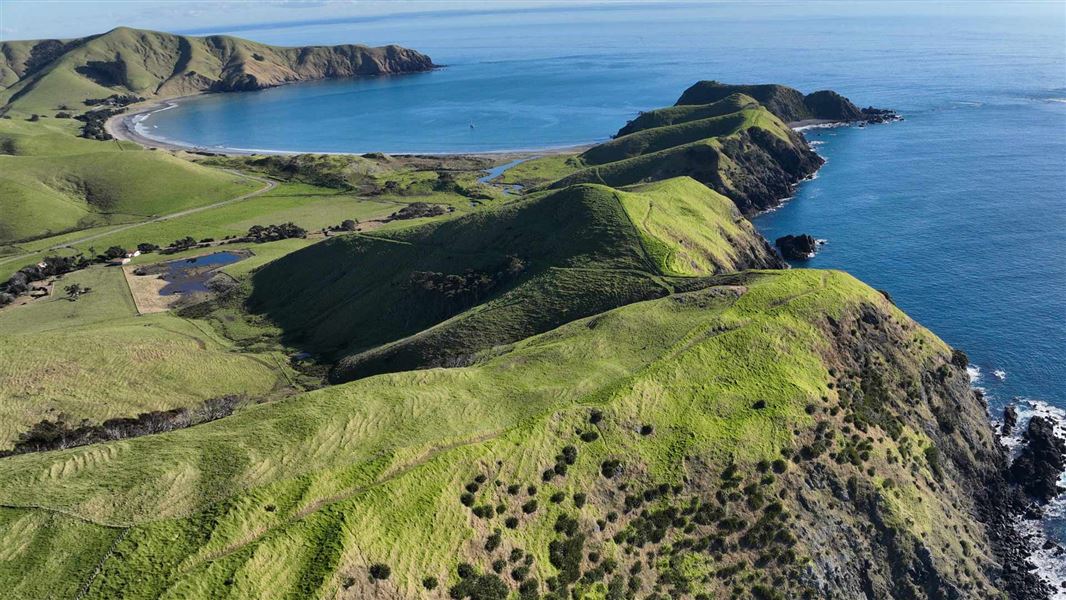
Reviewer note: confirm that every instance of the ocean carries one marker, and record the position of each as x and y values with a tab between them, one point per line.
958	212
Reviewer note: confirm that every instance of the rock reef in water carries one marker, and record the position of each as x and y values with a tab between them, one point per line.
1042	460
797	247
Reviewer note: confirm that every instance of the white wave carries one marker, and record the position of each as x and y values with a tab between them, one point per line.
1049	567
1057	100
974	372
1000	374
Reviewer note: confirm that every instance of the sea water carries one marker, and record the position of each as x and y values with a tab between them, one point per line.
958	212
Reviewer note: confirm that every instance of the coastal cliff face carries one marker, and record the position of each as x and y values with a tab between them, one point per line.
41	75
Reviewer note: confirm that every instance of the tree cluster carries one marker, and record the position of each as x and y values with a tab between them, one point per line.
57	435
19	283
273	233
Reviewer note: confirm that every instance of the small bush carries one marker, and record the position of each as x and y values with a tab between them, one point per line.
579	499
610	468
380	571
430	583
589	436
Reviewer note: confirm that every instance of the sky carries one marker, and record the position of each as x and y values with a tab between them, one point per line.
36	19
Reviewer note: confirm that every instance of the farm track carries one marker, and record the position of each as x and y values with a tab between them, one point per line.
268	185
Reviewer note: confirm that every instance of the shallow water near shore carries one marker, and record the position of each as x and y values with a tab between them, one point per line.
959	212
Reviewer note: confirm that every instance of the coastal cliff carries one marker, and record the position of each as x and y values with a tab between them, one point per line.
48	75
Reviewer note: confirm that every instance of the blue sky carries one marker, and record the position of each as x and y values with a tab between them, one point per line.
34	19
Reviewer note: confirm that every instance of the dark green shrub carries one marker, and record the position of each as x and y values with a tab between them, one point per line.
579	499
430	583
493	541
380	571
610	468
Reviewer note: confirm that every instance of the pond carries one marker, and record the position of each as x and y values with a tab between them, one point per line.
189	275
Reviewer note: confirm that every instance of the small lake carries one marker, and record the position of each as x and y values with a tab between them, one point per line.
189	275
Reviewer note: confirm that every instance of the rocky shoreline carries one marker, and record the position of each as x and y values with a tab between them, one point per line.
1012	493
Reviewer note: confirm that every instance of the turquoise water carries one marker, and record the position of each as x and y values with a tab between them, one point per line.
959	212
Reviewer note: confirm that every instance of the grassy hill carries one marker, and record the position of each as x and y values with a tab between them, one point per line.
787	103
501	274
708	437
41	76
52	182
748	155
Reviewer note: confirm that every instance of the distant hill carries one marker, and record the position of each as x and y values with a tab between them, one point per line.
44	75
501	275
734	145
787	103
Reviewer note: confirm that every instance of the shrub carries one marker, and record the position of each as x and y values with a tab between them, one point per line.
579	499
493	542
530	507
380	571
557	497
646	429
511	523
569	455
480	587
589	436
595	416
430	583
467	499
610	468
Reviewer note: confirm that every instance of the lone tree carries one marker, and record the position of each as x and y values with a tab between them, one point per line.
74	291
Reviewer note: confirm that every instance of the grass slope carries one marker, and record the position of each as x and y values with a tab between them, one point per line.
51	182
299	497
94	359
750	155
582	250
787	103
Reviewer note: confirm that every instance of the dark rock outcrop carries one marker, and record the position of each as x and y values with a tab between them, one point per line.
1042	460
797	247
1010	420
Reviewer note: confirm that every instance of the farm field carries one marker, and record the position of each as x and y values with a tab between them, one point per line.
95	359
